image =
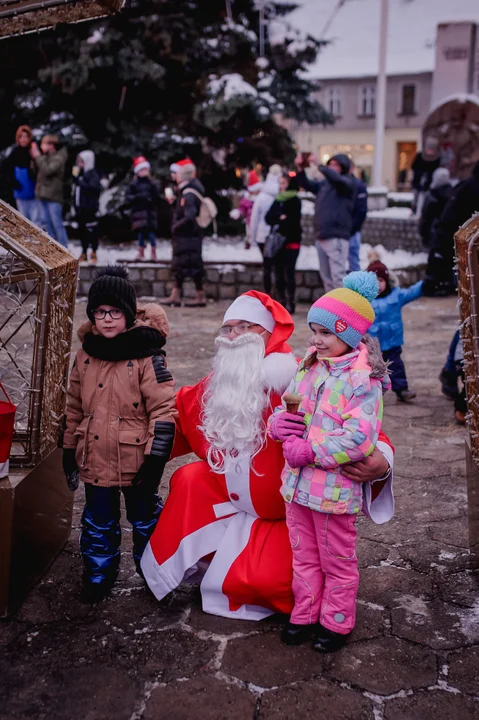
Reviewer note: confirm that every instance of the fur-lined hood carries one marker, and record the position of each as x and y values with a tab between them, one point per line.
148	315
379	367
364	363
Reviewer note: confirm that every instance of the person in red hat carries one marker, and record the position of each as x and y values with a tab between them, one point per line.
224	519
142	196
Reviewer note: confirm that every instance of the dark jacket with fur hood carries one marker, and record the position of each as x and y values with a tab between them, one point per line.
121	400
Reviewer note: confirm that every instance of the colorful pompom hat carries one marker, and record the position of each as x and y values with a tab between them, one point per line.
347	312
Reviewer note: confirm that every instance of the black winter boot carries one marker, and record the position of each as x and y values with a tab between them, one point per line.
328	641
93	593
296	634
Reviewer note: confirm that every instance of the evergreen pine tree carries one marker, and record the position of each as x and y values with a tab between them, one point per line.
169	78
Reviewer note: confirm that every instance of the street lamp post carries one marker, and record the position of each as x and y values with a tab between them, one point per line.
381	96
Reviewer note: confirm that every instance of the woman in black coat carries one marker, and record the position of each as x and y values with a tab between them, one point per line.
285	215
435	201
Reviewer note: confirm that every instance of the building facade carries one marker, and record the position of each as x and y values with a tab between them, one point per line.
432	54
352	102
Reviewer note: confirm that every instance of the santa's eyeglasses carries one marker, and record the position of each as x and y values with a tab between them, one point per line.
240	329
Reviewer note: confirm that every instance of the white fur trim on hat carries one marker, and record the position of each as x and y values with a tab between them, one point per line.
142	166
252	310
174	168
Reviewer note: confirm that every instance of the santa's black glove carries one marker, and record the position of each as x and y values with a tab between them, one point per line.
150	472
70	468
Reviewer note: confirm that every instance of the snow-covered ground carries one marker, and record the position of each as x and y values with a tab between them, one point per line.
393	213
225	251
401	197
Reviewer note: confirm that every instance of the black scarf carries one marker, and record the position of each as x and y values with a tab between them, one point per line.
139	342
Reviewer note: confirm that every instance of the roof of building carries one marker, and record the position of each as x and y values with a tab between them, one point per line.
352	26
22	16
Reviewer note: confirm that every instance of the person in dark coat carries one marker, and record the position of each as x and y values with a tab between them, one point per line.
423	167
142	197
285	213
86	200
462	205
187	237
333	217
360	211
434	203
19	175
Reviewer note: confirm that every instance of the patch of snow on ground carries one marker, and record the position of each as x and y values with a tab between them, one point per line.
401	197
443	555
393	213
469	621
228	251
413	605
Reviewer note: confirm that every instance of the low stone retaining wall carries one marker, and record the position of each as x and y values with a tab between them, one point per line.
223	282
391	233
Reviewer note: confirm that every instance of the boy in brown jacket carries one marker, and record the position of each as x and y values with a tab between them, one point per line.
120	425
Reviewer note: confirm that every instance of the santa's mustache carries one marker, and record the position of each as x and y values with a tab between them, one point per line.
239	341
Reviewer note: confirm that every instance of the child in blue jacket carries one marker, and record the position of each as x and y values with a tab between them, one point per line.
388	326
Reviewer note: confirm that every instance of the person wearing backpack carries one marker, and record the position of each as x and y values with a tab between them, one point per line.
187	236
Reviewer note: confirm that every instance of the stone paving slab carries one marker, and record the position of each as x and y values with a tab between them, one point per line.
414	653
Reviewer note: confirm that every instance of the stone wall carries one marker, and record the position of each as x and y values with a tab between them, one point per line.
391	233
223	282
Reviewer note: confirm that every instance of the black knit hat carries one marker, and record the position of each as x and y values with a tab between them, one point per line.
111	287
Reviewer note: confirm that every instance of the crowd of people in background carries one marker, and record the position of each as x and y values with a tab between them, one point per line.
270	206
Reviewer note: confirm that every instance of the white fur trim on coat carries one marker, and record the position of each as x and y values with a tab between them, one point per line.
279	369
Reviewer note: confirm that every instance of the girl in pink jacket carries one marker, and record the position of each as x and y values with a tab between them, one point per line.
341	383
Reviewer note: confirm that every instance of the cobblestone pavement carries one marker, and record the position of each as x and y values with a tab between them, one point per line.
415	651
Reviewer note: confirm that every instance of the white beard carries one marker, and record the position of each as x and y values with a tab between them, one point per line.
234	401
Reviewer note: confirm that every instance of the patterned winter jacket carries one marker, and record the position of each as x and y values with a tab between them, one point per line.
343	406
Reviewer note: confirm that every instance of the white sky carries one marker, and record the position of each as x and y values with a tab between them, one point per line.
354	33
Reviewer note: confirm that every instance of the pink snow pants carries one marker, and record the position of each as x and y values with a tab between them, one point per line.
325	568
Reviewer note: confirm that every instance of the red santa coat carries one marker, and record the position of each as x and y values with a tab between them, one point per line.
239	516
236	520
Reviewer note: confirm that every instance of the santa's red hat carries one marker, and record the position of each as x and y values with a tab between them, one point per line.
140	163
257	307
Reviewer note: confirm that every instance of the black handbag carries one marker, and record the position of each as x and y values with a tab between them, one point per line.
274	243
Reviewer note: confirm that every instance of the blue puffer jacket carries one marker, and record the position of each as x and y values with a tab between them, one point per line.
388	327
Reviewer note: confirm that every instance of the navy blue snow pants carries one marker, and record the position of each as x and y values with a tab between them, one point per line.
101	534
396	368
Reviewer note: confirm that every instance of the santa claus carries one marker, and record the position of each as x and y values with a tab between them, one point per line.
224	519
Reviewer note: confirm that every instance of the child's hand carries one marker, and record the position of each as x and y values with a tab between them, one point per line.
150	472
70	468
287	424
298	452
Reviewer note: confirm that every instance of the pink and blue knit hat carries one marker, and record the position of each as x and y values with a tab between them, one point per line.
347	312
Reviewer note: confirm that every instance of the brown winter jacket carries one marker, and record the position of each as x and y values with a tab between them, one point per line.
121	400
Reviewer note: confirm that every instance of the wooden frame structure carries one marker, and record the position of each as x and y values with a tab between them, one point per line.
23	16
38	279
467	252
37	299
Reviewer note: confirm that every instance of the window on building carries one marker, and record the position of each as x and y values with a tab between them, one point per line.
334	102
408	100
367	100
